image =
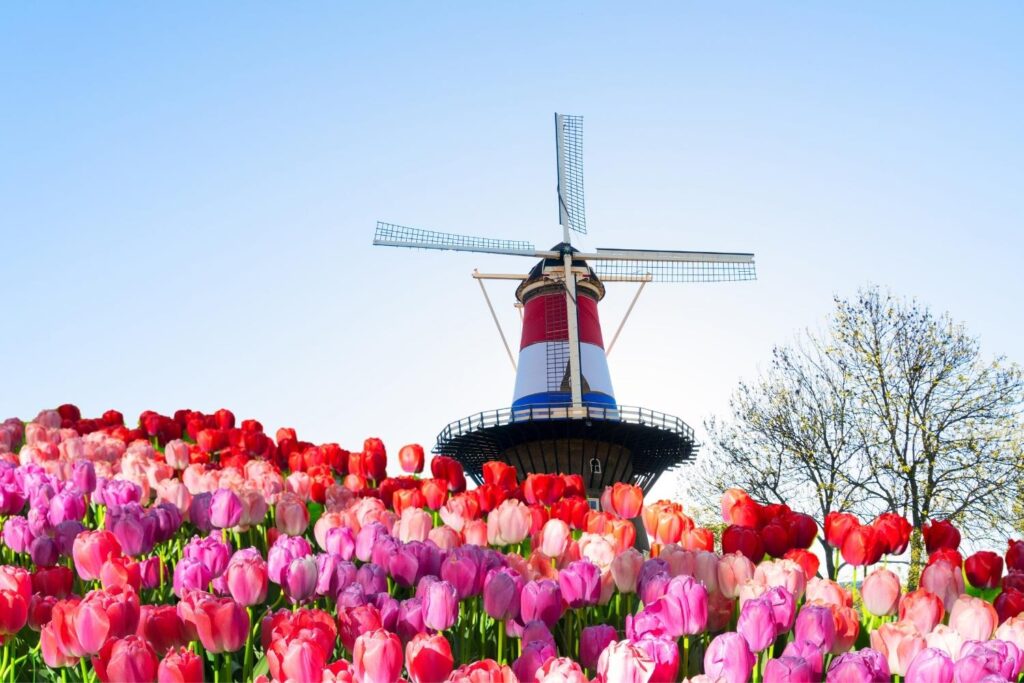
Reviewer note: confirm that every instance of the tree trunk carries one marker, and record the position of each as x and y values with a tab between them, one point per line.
916	558
830	568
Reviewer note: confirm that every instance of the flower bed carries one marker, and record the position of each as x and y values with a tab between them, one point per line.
190	548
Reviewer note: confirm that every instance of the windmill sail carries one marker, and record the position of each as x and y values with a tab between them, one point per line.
569	144
672	266
390	235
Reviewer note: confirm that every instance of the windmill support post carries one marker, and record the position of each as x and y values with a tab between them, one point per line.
626	317
497	324
575	384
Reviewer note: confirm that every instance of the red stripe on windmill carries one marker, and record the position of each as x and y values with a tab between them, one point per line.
564	416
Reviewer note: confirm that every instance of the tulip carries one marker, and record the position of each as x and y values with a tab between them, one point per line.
291	515
944	638
847	628
17	534
788	670
485	670
225	509
930	666
508	524
756	624
837	526
106	614
593	641
949	555
554	537
161	627
560	670
893	532
973	618
859	667
440	605
733	570
534	655
976	667
984	569
940	534
120	572
626	570
881	592
128	660
13	611
1009	603
899	643
626	663
282	552
299	579
738	508
135	531
729	658
807	560
784	573
502	594
809	652
299	657
377	657
220	623
744	540
623	500
580	583
247	577
411	458
923	608
211	550
1005	656
665	653
861	546
945	581
428	658
91	549
541	600
815	624
190	574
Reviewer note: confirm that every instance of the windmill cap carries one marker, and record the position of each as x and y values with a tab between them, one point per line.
537	282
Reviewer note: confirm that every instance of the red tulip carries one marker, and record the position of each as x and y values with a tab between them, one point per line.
739	509
861	546
807	560
947	555
543	488
429	658
743	540
778	538
1009	603
16	579
984	569
220	623
118	572
161	626
411	458
13	611
697	538
377	657
449	469
180	666
1015	556
128	660
805	529
940	534
435	492
297	658
500	474
837	526
55	581
624	500
40	610
893	531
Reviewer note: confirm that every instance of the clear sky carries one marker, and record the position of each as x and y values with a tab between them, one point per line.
188	192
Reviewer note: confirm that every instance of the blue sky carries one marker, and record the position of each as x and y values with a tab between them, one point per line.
188	192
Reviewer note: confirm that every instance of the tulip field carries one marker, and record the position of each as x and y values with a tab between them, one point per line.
190	547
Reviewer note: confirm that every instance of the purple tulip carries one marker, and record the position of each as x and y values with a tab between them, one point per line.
190	574
728	657
465	568
341	541
199	512
66	505
298	580
593	641
384	549
39	521
44	551
502	590
372	578
653	586
112	492
167	521
665	653
440	605
533	657
284	550
541	600
41	496
150	571
536	630
12	500
351	596
788	670
757	623
225	509
403	566
410	619
65	533
17	534
83	474
816	625
388	608
133	528
367	538
212	551
930	665
783	608
580	583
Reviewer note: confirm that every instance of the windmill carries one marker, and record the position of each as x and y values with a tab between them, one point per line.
564	416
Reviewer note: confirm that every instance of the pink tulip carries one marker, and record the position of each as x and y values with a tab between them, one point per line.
827	591
502	593
665	653
103	615
785	573
414	525
509	523
922	608
440	605
788	670
298	581
783	608
944	638
554	537
899	643
291	514
593	641
541	600
706	570
626	570
377	657
756	624
729	658
247	577
1012	631
945	581
1005	657
580	583
734	569
810	653
624	662
973	618
180	666
881	592
483	671
816	625
561	670
220	623
91	549
533	657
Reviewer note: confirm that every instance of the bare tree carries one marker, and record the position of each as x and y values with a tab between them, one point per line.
892	409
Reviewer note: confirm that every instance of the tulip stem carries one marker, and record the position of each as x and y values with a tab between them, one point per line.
85	671
501	642
247	664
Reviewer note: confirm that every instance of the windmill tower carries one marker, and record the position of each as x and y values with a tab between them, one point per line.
564	416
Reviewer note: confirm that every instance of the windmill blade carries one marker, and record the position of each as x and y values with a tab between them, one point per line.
390	235
671	266
569	146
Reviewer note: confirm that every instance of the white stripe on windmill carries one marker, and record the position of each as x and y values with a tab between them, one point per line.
556	364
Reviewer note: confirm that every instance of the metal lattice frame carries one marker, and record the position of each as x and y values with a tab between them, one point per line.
572	173
391	235
674	271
